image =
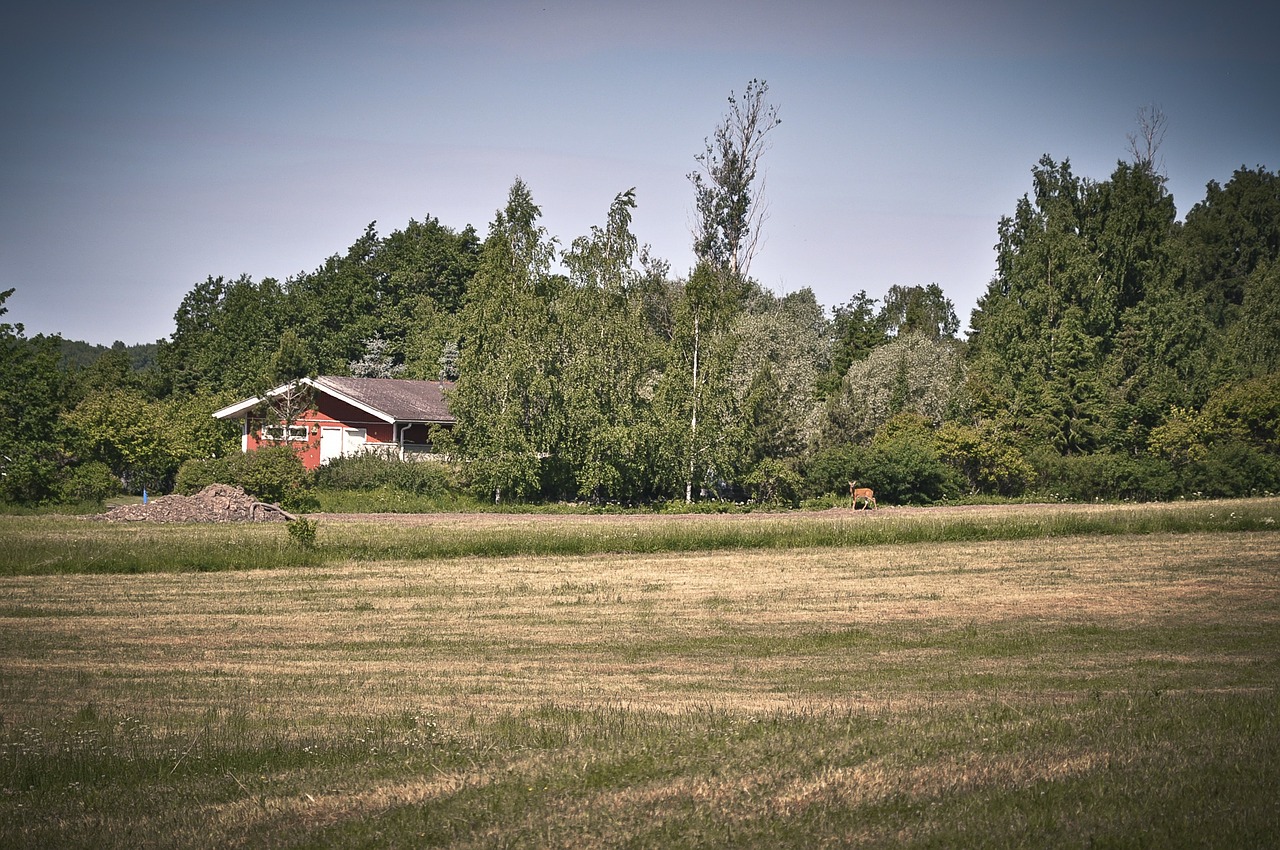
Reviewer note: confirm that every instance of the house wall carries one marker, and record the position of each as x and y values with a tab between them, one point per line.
329	412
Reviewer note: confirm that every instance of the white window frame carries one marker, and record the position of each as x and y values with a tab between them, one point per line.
278	433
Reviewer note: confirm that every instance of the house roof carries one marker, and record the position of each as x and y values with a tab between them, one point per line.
388	399
404	400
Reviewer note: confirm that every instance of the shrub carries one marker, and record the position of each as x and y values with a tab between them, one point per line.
1233	468
1105	476
272	474
373	472
984	462
29	478
302	532
90	482
773	482
829	471
904	468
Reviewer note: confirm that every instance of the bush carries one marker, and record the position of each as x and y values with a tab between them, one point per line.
773	482
829	471
1106	476
373	472
984	462
90	482
273	474
905	469
1233	468
29	478
302	532
902	468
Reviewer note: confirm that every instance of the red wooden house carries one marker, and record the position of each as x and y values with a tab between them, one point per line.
345	416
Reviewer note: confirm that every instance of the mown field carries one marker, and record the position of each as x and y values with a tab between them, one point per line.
1002	677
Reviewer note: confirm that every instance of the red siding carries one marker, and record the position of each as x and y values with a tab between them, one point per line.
331	413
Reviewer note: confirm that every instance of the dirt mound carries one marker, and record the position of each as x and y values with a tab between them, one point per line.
215	503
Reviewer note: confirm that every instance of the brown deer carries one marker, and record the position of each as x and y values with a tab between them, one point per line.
866	494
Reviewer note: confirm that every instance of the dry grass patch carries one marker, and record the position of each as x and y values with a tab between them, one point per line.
741	629
904	694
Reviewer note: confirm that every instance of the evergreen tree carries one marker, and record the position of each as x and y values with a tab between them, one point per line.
854	331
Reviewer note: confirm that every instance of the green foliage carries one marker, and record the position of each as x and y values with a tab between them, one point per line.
1249	411
393	500
780	353
854	333
90	482
1232	468
1104	476
507	361
912	374
302	531
1228	237
918	310
273	474
1074	256
829	470
904	464
225	335
603	439
1240	421
78	355
229	334
985	461
31	389
431	342
127	433
144	441
772	482
372	472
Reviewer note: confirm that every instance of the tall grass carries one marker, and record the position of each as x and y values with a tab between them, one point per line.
31	545
35	546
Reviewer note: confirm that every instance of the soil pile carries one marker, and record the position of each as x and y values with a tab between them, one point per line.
215	503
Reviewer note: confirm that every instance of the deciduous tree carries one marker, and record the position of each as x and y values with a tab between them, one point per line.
509	354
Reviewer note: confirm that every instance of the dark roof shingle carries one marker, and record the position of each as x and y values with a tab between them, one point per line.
406	400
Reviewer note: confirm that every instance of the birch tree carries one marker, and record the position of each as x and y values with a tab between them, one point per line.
729	198
507	363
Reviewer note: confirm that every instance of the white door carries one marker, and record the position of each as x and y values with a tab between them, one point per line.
353	440
330	444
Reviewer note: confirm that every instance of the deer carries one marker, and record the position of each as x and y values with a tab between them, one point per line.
866	494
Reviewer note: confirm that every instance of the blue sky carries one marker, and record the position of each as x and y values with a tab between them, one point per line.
147	145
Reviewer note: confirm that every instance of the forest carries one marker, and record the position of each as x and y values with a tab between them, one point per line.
1118	353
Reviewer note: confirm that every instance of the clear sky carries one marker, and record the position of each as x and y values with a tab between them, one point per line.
147	145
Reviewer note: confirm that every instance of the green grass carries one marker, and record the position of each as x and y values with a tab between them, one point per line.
1119	769
35	545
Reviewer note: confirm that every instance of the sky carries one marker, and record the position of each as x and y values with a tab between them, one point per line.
145	146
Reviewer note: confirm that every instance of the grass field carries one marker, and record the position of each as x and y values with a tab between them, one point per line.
1111	687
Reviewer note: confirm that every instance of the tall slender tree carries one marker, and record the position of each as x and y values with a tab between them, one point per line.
508	361
728	193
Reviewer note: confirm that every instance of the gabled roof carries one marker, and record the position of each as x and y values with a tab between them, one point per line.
388	399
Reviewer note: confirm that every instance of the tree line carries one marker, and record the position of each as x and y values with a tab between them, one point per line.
1117	353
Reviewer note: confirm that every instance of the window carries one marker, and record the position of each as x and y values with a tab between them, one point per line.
284	433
